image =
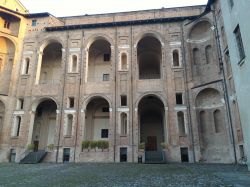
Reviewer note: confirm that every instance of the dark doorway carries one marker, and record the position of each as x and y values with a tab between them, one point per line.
66	155
36	144
123	154
12	155
184	155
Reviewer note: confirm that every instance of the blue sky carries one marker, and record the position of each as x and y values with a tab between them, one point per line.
81	7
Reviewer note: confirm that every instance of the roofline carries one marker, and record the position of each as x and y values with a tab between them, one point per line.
119	24
134	11
12	11
20	3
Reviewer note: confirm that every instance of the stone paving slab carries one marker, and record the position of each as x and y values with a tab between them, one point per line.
123	175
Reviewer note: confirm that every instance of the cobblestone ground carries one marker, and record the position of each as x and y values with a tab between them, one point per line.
123	175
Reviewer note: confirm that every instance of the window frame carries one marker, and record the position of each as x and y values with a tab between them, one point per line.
239	44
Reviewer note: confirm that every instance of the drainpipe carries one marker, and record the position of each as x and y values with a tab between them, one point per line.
62	103
187	95
132	93
115	107
221	65
78	113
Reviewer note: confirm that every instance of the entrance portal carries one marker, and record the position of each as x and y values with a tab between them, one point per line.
44	125
151	120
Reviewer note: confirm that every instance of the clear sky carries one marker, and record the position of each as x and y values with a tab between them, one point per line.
80	7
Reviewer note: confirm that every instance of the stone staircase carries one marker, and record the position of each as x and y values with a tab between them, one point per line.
34	157
154	157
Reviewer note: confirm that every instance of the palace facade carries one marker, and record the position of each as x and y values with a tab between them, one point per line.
149	83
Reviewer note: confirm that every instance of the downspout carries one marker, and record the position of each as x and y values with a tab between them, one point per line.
221	65
187	95
61	111
115	107
132	93
78	113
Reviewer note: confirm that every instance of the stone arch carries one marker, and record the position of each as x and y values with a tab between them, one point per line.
97	119
208	97
151	33
157	95
52	39
39	100
44	124
95	37
200	31
151	123
87	100
149	57
49	62
7	54
99	60
207	102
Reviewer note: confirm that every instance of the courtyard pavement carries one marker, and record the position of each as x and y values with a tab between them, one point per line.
123	175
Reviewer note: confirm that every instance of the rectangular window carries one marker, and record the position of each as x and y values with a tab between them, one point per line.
106	57
34	22
71	103
104	133
123	100
179	99
105	77
239	43
6	24
105	109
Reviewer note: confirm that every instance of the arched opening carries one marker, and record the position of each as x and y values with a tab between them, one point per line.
218	121
99	61
176	61
151	123
124	61
201	31
149	57
44	125
74	64
2	112
50	69
26	64
209	54
97	119
1	65
196	56
7	55
213	146
181	123
16	126
124	124
69	125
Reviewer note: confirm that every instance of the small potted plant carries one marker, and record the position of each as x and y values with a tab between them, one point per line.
102	144
165	147
93	145
142	146
51	147
30	147
85	144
